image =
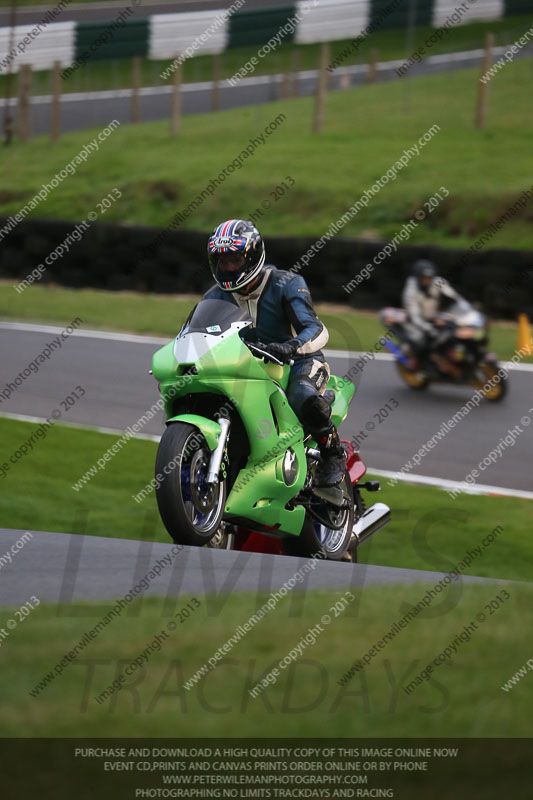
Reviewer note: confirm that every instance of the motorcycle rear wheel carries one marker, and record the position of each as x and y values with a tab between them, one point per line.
320	541
191	509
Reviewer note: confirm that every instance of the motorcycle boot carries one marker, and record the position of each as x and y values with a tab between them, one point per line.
330	471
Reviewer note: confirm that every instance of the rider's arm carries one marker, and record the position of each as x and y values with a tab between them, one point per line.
447	295
447	290
310	333
412	305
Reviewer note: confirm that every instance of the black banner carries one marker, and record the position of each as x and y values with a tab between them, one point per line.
406	769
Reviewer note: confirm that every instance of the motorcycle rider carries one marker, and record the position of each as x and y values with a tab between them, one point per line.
424	296
286	323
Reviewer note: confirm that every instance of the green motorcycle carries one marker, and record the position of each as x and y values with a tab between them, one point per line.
235	454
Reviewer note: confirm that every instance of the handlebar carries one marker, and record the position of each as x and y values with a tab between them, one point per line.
268	355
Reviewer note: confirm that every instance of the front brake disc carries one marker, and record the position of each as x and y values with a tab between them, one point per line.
203	495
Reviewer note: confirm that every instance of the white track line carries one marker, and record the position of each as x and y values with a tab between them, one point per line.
113	431
441	483
445	484
389	357
88	334
135	338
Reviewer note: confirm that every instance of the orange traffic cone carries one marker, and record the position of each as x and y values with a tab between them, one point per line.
524	345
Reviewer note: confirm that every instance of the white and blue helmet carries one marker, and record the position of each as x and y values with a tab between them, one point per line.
236	236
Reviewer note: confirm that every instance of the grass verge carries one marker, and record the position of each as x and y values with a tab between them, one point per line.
429	531
330	171
162	315
462	698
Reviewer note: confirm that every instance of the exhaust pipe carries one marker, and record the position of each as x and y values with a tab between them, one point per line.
374	518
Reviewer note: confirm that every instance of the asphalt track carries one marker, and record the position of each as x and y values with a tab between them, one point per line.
113	370
80	111
66	568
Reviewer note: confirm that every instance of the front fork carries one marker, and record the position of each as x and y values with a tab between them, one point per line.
217	455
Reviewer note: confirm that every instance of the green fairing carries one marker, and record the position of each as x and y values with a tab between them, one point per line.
259	493
344	391
210	429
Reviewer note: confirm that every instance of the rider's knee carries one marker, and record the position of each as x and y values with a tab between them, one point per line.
316	412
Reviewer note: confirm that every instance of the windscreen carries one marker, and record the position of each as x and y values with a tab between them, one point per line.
457	309
214	316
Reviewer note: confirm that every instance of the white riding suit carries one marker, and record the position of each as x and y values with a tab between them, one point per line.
423	305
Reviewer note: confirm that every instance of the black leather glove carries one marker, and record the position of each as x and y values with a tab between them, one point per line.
283	351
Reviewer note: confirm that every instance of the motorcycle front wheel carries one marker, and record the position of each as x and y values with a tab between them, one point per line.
191	509
483	380
319	541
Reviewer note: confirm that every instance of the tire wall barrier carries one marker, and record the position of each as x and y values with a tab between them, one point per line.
126	257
